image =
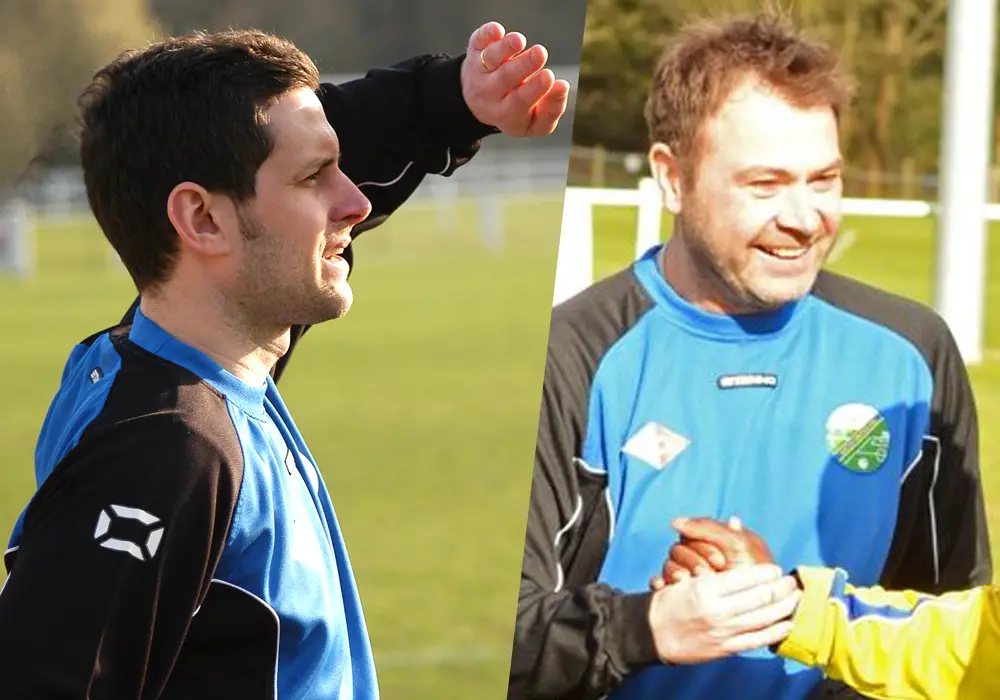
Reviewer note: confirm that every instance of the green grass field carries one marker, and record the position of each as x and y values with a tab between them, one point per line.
896	255
436	372
436	375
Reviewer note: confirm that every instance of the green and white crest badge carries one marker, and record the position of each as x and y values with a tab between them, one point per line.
857	436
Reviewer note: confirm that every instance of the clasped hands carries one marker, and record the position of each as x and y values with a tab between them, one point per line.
719	593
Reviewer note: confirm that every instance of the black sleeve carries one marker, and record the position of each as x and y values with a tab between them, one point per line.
963	557
574	638
118	548
399	124
942	540
396	126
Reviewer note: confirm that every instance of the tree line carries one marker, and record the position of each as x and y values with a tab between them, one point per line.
894	48
50	48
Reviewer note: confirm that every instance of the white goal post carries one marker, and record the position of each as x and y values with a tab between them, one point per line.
16	238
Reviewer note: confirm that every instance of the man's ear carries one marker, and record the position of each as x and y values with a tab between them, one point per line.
666	170
201	219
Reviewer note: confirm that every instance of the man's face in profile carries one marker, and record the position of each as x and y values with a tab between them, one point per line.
289	266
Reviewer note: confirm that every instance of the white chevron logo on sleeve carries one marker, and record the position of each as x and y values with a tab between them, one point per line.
143	551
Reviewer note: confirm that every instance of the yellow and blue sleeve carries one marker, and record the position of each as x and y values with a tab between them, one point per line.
898	645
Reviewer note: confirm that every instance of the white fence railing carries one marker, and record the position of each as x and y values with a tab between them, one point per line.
495	171
496	179
575	266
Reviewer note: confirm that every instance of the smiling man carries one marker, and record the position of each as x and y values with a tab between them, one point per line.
181	543
724	374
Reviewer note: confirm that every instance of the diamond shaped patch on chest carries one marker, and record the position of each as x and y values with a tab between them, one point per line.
656	445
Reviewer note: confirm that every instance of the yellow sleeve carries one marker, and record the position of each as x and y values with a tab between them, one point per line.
898	645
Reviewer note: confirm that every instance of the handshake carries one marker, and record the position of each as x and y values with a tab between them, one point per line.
719	593
709	545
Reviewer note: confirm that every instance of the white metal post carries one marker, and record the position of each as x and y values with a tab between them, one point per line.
575	265
650	216
965	149
16	237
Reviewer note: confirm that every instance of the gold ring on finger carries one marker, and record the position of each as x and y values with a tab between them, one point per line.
482	59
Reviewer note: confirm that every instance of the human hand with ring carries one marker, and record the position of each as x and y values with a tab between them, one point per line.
508	86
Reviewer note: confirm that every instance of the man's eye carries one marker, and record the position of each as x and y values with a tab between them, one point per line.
765	186
827	181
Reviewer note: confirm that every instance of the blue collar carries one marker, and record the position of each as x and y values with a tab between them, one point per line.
723	326
150	337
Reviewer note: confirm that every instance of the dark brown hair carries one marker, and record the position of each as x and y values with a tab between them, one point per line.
709	58
189	108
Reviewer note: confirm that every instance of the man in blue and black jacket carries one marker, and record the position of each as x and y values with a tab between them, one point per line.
724	374
181	543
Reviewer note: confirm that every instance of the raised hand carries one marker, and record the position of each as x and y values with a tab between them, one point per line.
508	87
